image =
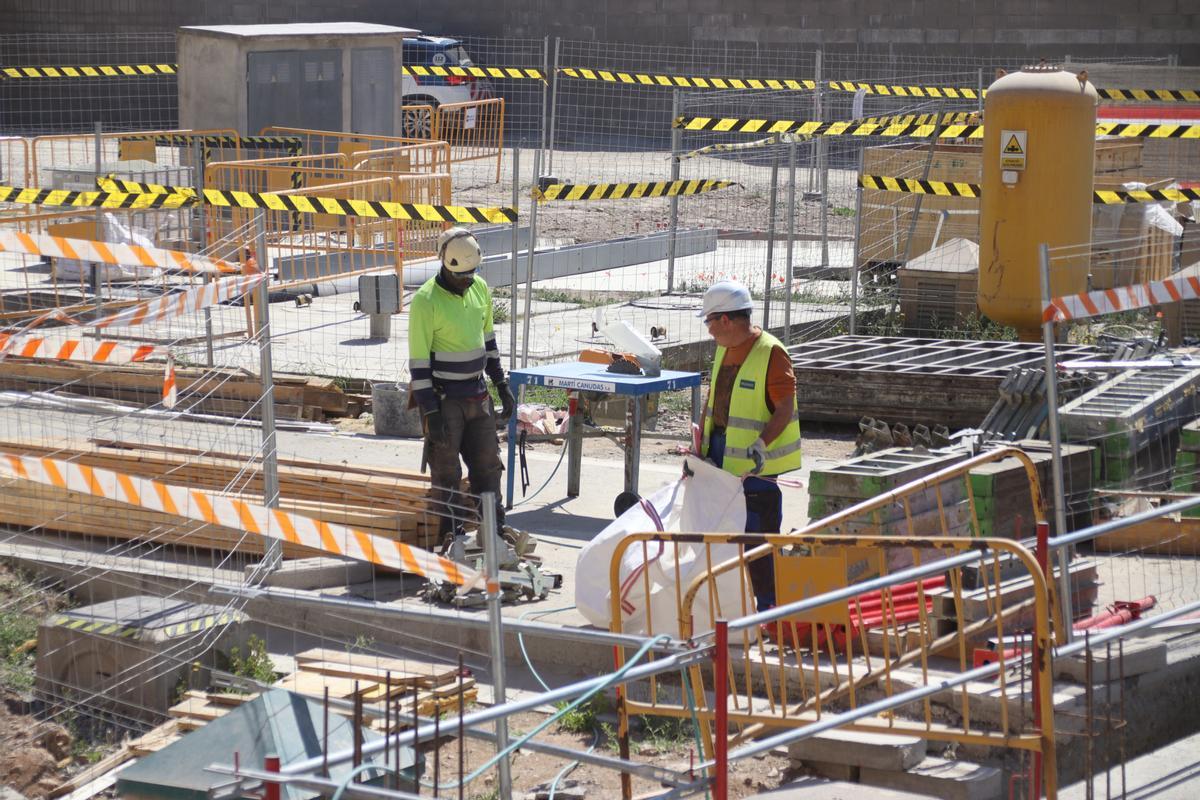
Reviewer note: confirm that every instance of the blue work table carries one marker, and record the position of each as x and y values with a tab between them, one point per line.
589	377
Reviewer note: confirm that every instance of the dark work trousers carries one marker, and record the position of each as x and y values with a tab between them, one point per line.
471	433
764	514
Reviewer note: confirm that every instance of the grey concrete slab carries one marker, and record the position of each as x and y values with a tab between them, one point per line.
939	777
814	788
859	749
1169	773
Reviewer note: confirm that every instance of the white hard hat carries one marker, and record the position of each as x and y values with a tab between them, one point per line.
459	250
726	296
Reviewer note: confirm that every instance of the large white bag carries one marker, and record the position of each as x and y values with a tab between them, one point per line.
709	500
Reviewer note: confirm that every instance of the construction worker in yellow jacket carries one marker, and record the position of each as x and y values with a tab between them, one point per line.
750	427
451	346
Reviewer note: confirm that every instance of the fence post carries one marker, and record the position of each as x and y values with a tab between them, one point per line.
270	457
490	534
544	139
202	231
553	108
771	209
271	788
857	248
1056	468
516	228
791	245
533	210
720	780
676	141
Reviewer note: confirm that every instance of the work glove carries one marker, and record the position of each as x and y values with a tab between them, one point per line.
435	426
758	453
508	403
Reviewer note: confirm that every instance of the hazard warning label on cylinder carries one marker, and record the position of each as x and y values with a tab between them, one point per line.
1012	149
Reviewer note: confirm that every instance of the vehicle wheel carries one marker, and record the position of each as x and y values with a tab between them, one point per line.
416	125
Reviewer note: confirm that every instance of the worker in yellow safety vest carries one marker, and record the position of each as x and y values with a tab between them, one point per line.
750	427
451	346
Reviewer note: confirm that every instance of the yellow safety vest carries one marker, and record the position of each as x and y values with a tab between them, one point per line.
749	414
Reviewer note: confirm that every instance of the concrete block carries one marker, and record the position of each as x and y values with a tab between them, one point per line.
834	772
317	573
875	750
938	777
1140	657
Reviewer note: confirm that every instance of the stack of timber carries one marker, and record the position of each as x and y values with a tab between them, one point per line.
1001	490
934	511
415	685
1134	418
392	503
219	391
1186	477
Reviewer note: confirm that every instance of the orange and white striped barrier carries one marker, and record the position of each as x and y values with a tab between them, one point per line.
129	255
1121	298
96	352
176	305
170	395
216	509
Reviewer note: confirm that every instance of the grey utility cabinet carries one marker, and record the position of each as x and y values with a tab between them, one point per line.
333	76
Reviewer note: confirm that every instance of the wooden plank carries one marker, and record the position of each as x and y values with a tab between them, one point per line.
1160	536
439	673
314	685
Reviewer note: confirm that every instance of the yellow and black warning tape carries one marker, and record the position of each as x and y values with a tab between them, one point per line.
683	81
912	129
627	191
304	204
113	184
293	144
89	71
885	183
848	128
110	200
1152	95
1112	197
102	627
516	73
1148	130
609	75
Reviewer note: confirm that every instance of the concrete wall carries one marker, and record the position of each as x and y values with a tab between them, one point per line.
981	28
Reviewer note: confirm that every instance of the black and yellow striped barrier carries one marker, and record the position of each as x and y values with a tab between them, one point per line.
884	183
912	129
627	191
515	73
272	202
89	71
122	631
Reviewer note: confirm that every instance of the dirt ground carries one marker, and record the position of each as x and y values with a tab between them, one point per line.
532	770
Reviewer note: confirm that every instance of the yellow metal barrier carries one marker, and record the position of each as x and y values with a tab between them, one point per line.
474	130
310	248
418	155
875	645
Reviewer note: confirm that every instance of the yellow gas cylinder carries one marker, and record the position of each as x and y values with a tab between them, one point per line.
1038	164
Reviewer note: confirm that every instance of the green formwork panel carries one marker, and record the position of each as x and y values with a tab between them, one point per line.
1184	477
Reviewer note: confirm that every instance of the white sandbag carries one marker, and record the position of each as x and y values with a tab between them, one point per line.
114	231
709	500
